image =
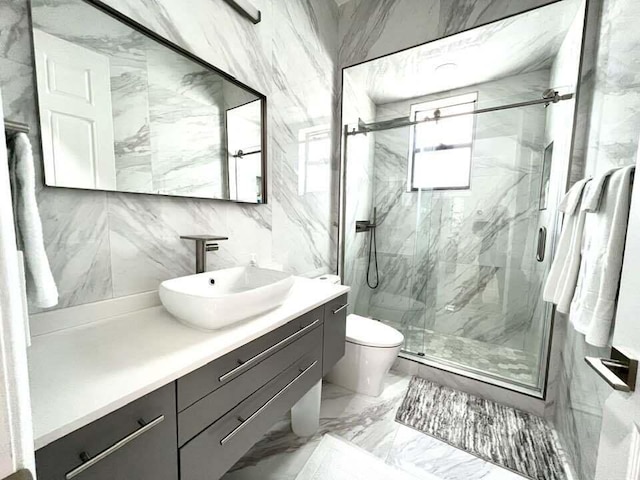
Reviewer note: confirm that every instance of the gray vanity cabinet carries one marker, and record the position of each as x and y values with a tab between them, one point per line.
207	420
136	442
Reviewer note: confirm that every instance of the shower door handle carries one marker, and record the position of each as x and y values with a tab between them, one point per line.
542	244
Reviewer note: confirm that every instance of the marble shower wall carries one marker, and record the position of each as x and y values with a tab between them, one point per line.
462	262
372	28
103	245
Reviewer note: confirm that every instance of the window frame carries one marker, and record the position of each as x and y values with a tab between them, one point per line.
415	110
305	137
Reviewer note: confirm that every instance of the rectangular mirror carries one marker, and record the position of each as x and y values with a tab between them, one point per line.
122	109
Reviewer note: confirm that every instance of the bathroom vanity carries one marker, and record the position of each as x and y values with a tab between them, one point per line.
140	396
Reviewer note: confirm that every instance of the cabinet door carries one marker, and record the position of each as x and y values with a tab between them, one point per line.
136	442
335	326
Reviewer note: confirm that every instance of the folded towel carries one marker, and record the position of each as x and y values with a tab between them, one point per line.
593	306
41	287
563	276
593	197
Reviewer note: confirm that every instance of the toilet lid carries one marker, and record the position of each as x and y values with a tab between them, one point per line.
371	333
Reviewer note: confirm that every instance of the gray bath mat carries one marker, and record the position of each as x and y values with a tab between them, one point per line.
337	459
510	438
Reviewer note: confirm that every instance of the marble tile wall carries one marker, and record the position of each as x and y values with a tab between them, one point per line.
359	158
607	137
369	29
103	245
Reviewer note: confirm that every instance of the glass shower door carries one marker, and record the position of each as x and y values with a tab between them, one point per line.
475	255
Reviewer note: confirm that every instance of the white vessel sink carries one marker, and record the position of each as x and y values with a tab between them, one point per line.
216	299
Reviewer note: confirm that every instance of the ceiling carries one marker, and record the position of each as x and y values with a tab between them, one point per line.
516	45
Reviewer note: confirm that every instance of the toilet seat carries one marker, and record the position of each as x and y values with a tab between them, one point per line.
371	333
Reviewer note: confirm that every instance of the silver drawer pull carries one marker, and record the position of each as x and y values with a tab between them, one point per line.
265	353
235	431
339	309
90	462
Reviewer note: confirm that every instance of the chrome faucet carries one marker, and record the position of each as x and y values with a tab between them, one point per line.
204	244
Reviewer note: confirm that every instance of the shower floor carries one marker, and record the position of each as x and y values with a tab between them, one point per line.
508	363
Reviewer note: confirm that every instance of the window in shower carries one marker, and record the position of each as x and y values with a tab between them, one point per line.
440	156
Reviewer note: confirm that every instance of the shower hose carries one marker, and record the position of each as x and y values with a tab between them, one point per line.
373	249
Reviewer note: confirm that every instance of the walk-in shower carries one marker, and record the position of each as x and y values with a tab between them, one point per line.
462	148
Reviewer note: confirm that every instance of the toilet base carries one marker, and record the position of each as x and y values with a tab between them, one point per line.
363	369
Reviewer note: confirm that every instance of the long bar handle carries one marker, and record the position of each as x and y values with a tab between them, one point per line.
113	448
340	308
542	244
235	431
252	361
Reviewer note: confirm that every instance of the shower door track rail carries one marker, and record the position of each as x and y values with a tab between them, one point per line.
365	128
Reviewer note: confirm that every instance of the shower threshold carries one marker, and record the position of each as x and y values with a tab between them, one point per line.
498	365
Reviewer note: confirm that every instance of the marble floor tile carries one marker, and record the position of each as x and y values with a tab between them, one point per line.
337	459
424	456
368	423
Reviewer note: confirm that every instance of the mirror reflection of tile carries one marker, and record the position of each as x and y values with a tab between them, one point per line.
161	122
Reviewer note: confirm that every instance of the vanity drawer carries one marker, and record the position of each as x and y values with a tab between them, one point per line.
209	455
335	331
137	442
207	379
210	408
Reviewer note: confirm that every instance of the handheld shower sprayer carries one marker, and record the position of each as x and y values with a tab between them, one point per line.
373	249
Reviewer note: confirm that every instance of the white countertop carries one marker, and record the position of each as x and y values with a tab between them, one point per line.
81	374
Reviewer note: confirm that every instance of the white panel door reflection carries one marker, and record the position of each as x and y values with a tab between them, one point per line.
76	120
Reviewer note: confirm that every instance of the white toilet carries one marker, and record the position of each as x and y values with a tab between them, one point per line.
370	351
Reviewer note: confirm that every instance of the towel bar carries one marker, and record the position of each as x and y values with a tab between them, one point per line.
17	127
619	371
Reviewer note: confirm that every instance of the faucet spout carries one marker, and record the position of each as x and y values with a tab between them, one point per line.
204	244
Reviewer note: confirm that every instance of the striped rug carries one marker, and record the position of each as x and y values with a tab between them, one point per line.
510	438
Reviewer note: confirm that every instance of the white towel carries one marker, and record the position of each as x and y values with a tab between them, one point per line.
563	276
41	287
14	387
594	303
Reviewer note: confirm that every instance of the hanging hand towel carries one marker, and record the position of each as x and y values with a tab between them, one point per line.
41	288
563	276
593	306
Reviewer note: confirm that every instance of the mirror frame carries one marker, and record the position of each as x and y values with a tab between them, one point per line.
133	24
